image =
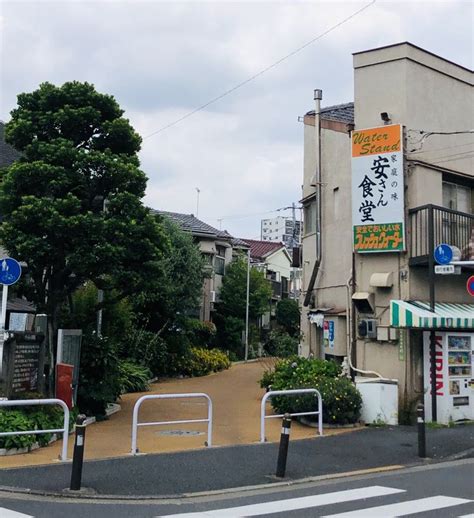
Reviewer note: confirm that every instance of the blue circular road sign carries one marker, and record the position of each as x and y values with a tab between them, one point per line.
443	254
10	271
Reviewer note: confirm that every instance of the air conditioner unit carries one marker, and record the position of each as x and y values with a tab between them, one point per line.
367	328
213	296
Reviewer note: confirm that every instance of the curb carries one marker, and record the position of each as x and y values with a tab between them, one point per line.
90	495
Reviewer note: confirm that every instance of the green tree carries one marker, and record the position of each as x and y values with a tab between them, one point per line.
234	291
181	285
71	205
230	316
287	315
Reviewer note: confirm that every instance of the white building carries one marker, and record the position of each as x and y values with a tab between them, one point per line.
369	236
282	230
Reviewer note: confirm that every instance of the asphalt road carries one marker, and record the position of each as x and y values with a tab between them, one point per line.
438	490
236	466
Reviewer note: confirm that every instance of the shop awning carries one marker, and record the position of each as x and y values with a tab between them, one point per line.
417	314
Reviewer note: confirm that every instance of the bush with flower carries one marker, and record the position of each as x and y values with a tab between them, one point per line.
341	400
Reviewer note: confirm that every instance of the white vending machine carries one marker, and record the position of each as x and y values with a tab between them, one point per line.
454	353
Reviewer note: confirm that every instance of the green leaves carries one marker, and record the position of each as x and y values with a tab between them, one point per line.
71	206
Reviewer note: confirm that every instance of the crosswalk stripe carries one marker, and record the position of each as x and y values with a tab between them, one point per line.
293	503
8	513
467	516
403	508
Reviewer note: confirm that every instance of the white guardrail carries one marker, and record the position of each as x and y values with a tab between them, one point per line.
37	402
136	424
272	393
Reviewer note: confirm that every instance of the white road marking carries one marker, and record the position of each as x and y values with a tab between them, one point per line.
403	508
467	516
8	513
292	504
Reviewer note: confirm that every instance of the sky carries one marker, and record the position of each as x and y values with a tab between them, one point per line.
163	60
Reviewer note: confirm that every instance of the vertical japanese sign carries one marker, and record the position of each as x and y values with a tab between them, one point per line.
378	217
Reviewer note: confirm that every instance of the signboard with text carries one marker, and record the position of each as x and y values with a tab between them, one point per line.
378	216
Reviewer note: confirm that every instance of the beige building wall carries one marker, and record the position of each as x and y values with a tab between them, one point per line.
421	92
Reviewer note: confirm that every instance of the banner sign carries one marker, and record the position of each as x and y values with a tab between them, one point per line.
378	216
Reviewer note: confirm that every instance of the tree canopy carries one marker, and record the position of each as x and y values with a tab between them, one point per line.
72	204
234	291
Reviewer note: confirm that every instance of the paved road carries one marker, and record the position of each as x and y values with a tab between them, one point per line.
441	490
236	466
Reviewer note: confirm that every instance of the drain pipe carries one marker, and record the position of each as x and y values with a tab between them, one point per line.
349	317
318	95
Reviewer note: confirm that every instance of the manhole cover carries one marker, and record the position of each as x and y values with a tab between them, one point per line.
179	432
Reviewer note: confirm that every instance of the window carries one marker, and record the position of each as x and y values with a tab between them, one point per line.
219	265
458	197
310	218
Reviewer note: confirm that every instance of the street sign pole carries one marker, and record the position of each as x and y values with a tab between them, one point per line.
434	253
3	315
10	272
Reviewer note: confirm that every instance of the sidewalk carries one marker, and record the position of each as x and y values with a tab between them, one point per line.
236	397
231	467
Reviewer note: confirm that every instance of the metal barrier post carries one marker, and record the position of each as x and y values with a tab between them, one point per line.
283	450
78	455
270	394
136	408
420	418
37	402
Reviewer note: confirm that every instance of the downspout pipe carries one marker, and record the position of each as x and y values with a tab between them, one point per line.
349	317
318	95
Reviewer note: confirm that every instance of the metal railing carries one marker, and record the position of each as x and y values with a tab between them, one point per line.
293	392
37	402
136	408
443	226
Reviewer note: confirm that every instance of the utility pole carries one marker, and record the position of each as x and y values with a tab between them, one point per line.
247	308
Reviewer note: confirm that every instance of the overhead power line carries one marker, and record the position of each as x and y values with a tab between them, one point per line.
261	72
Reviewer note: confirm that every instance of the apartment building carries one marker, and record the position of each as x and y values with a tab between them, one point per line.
281	229
387	178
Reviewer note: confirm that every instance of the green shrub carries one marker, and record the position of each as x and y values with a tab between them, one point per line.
305	369
287	315
281	344
21	419
99	378
268	378
147	349
133	377
341	400
200	362
200	333
15	421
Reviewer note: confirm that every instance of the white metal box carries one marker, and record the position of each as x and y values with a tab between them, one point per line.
379	400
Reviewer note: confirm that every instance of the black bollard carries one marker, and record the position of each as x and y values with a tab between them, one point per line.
284	441
420	419
78	455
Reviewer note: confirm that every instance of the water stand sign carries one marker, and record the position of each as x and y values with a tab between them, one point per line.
378	216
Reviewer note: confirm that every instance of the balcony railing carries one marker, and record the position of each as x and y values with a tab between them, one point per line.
276	289
431	225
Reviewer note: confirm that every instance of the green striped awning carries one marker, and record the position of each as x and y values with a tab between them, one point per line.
417	314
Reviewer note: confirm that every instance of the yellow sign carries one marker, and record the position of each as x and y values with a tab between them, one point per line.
375	141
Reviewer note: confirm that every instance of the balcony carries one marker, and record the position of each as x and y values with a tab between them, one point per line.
431	225
276	289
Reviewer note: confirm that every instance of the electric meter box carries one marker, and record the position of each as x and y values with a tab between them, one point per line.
379	400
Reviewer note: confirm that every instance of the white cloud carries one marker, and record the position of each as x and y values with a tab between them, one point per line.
163	59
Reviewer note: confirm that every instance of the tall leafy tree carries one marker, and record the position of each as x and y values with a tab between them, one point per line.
72	206
233	293
180	289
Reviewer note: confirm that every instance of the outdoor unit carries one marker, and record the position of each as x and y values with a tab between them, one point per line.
213	296
367	328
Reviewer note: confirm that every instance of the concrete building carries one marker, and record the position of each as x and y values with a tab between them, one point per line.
373	279
274	261
281	230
